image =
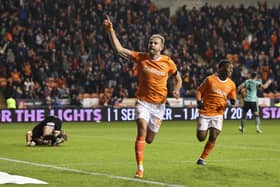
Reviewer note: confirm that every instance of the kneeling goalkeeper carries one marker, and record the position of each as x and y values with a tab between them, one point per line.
47	132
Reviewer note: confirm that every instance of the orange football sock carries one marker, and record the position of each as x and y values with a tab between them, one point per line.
207	149
139	151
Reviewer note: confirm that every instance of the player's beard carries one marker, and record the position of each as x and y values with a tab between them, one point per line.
229	74
152	51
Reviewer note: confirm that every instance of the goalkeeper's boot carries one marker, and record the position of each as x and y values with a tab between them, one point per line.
200	162
139	174
58	141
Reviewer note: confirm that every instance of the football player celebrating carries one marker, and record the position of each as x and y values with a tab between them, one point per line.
153	70
212	97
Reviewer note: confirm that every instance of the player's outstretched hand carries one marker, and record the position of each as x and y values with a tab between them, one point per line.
108	24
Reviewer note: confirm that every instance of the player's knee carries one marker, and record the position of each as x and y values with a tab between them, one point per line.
150	136
201	139
149	139
201	136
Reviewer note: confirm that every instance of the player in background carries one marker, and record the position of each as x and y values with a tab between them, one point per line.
249	89
47	132
212	96
153	70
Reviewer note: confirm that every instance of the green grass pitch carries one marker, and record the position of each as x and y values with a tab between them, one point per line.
102	154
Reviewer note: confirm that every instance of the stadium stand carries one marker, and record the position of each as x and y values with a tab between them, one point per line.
176	4
59	48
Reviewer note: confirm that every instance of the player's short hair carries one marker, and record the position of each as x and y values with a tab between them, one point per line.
223	63
160	37
253	74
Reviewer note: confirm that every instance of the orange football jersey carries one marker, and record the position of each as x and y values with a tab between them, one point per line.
153	76
214	94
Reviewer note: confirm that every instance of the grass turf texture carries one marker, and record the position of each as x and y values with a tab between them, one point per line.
102	154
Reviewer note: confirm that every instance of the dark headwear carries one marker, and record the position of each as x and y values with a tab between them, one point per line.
223	62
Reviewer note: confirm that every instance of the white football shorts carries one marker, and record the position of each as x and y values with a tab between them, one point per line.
206	122
152	113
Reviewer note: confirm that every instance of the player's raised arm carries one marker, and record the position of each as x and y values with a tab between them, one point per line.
108	25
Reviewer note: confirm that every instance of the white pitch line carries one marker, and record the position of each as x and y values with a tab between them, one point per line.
91	173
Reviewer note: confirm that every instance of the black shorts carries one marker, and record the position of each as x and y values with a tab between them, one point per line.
250	105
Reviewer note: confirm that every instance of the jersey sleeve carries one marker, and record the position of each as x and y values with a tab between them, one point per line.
204	85
202	88
173	67
135	56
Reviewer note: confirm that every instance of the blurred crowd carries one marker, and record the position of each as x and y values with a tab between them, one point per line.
59	49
